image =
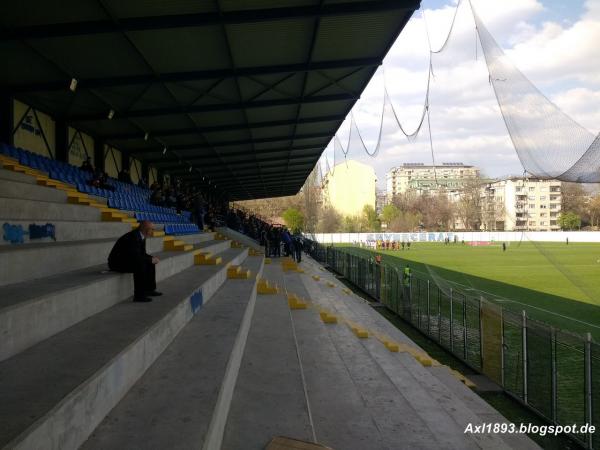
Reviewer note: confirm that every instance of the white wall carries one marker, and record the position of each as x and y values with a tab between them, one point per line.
474	236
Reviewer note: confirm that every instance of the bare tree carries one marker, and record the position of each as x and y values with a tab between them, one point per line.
469	205
330	221
574	199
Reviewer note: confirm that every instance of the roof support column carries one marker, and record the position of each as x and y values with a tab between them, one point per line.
145	171
99	154
61	141
124	160
7	120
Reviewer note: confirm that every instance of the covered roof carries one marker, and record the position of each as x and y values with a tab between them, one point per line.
248	93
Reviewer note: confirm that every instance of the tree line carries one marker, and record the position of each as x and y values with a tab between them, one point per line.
413	212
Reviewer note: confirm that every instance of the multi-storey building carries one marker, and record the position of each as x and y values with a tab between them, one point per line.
381	199
521	204
348	187
423	179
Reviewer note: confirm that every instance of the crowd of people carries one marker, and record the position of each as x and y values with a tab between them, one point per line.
276	239
100	178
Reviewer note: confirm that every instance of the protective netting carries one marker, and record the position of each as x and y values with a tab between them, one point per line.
548	142
539	367
513	353
491	341
473	334
570	379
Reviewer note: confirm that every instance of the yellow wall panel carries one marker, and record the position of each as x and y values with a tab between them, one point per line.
29	134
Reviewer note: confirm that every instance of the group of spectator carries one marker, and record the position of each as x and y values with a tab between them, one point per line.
391	245
276	240
100	178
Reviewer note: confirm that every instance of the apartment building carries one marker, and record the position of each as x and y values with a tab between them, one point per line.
521	204
348	187
428	179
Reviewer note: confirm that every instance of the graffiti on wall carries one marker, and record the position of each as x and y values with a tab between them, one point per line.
15	234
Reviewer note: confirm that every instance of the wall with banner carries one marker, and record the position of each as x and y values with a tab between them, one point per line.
152	175
135	170
35	130
81	146
112	161
467	236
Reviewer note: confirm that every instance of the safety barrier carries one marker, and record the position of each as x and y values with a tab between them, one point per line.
553	372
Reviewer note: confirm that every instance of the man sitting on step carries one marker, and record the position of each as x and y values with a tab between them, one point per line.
129	256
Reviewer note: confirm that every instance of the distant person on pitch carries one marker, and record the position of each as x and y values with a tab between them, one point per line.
129	256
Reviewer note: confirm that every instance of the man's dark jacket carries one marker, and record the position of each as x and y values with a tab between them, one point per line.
129	252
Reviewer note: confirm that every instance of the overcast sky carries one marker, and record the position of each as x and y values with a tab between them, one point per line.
555	43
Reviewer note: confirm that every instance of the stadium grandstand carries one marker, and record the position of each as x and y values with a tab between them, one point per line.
115	114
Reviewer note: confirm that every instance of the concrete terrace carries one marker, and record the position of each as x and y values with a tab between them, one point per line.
239	349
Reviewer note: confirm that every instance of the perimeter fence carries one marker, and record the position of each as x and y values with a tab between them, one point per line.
554	372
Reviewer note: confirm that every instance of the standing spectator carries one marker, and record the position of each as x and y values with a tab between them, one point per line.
406	280
87	165
298	247
198	208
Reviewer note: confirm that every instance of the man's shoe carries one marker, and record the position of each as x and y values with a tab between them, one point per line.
154	294
142	299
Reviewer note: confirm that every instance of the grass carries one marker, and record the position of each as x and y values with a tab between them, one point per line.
555	283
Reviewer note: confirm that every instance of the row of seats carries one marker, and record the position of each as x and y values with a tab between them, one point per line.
68	173
125	196
184	228
132	205
161	218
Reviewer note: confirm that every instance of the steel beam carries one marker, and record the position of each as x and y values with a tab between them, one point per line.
190	109
196	75
172	21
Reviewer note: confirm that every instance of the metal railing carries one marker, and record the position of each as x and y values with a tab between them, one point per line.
553	372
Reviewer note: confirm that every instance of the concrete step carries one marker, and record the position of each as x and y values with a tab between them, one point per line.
28	191
354	404
353	306
66	231
239	237
55	393
18	209
32	261
427	393
485	412
196	238
191	383
34	310
16	176
408	397
269	398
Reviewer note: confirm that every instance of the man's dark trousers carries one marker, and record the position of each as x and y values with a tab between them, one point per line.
129	256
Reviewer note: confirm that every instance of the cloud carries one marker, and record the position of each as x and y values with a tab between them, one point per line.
560	58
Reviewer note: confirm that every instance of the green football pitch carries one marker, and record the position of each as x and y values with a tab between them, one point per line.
556	283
